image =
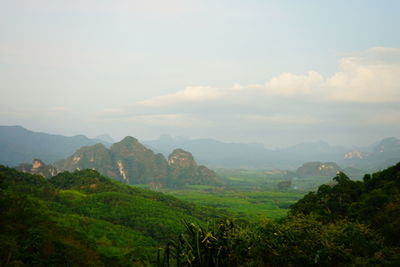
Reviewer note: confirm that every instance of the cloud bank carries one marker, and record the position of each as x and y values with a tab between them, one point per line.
364	92
359	101
370	77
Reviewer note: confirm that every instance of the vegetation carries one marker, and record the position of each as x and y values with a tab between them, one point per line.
83	218
349	223
305	179
247	205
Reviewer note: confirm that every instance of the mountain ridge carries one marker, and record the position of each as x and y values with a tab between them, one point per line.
19	145
218	154
131	162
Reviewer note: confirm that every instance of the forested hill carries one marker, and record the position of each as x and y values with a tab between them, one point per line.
85	219
375	201
131	162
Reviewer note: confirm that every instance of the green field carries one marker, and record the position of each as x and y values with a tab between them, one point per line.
244	204
251	194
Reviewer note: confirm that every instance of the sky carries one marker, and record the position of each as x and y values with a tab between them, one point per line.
271	72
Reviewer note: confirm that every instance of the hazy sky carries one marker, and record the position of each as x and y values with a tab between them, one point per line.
276	72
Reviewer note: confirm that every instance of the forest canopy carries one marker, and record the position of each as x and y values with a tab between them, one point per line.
83	218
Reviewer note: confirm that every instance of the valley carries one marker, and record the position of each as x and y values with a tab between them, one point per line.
246	205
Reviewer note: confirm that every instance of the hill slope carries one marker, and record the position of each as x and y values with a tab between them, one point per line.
83	218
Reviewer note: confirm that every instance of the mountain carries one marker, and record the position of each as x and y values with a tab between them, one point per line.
137	164
38	167
183	169
18	145
218	154
379	156
131	162
214	153
387	152
96	157
312	151
315	169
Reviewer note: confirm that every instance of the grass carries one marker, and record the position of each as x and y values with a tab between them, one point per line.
244	204
251	194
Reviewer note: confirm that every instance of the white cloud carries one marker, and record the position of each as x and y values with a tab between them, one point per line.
372	76
189	94
364	83
366	80
288	84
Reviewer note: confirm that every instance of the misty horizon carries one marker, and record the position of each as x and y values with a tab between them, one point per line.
265	72
173	138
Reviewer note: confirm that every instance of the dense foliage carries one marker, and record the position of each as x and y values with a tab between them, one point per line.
347	223
244	205
83	218
374	202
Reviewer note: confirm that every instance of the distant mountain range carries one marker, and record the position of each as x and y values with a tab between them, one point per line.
132	163
216	154
383	154
19	145
213	153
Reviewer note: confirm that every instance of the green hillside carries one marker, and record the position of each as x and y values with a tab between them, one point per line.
83	218
86	219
